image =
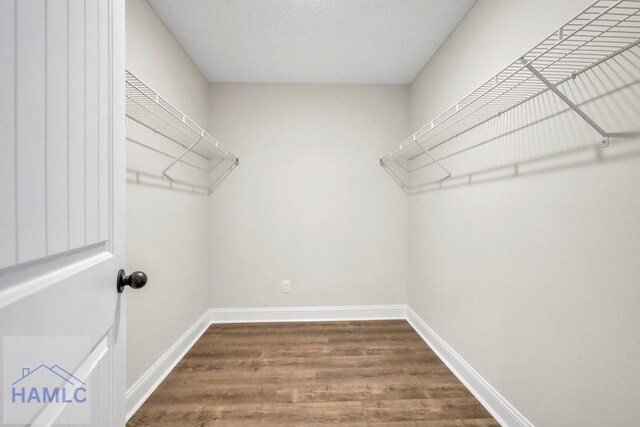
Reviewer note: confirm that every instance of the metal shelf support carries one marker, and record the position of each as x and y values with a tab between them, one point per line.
553	88
433	158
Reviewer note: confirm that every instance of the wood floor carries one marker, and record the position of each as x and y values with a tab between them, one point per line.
349	373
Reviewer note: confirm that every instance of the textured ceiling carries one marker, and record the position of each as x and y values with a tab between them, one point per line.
311	41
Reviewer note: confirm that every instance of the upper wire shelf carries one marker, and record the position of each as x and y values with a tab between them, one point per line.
599	33
183	151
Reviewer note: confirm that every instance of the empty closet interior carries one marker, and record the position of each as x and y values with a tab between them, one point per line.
269	182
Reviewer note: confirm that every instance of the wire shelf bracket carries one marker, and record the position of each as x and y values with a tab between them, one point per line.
566	100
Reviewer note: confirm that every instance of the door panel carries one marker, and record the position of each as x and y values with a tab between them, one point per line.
57	129
92	109
7	131
77	115
103	120
30	23
70	301
55	84
62	191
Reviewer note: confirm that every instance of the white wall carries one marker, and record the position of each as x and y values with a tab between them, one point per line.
309	202
166	230
534	279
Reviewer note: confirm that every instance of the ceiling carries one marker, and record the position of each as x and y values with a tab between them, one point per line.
311	41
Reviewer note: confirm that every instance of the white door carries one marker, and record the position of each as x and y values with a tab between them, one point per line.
61	211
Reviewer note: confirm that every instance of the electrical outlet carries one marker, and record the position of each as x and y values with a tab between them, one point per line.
286	286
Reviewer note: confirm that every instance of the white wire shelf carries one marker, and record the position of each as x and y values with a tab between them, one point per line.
167	144
604	31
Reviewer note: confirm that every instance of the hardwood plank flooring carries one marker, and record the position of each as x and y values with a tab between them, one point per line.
350	373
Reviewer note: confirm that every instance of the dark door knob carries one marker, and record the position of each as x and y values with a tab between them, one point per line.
135	280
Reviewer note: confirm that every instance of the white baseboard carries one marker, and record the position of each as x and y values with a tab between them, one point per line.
307	314
505	413
147	383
